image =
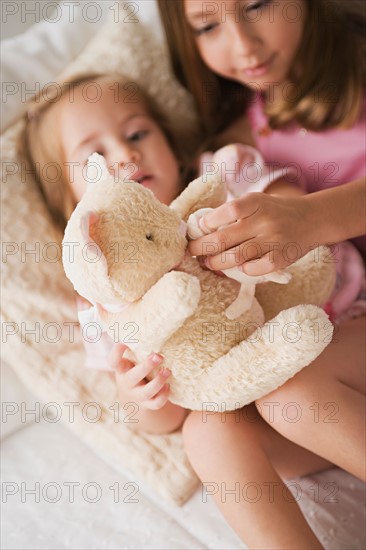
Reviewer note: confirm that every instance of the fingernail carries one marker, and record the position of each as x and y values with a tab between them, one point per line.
206	261
166	373
156	358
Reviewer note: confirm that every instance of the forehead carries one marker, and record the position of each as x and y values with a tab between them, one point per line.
101	95
87	110
198	9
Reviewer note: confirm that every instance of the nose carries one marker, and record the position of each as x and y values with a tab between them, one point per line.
244	41
122	154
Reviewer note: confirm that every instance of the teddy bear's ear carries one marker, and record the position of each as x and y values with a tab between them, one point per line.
97	171
207	191
90	246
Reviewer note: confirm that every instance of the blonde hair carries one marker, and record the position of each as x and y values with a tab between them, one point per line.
41	148
331	87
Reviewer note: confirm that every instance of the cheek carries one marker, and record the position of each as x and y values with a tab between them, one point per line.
167	170
215	55
172	175
78	183
163	157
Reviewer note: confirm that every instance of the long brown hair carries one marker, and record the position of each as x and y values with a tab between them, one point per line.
329	93
40	146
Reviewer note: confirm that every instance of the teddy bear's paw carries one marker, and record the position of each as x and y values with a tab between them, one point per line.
195	224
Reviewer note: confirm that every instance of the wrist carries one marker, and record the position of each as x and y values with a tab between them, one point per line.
320	228
167	419
338	213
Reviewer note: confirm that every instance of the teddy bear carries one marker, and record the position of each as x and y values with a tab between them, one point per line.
126	253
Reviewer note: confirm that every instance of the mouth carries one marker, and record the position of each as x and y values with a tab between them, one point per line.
260	70
143	179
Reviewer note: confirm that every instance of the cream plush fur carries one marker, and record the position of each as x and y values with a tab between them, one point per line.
178	308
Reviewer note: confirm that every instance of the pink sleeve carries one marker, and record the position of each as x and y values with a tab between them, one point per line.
97	343
242	167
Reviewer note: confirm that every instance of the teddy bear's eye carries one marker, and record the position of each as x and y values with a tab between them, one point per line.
149	237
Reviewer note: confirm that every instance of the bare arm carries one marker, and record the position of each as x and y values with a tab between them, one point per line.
338	213
271	223
282	188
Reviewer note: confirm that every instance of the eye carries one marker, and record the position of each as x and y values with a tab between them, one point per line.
205	30
137	136
149	237
258	5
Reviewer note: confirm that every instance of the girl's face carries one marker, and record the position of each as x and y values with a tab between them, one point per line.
252	42
133	145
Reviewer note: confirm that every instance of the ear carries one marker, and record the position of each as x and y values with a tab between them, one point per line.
207	191
90	247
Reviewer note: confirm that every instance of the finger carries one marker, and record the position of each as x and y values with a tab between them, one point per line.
237	256
227	237
137	374
262	266
149	390
229	212
115	357
159	400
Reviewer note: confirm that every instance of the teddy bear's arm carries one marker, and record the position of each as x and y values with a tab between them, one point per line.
205	191
146	325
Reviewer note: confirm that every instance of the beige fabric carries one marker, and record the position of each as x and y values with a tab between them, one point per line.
36	294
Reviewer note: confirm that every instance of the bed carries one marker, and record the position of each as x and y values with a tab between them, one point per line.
59	489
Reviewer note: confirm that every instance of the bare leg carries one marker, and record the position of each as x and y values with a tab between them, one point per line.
323	407
231	452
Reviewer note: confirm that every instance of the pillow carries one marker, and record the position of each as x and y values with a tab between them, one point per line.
41	336
35	57
13	394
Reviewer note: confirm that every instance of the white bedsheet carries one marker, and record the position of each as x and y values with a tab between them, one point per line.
49	454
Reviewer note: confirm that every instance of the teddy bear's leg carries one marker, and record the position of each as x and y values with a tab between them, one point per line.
268	358
312	281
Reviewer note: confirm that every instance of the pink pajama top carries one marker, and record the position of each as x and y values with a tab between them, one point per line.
321	159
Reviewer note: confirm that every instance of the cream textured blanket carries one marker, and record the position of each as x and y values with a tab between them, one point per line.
41	336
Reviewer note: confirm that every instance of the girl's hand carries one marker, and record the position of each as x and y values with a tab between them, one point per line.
263	233
131	382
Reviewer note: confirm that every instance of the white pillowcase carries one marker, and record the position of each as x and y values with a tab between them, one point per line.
37	56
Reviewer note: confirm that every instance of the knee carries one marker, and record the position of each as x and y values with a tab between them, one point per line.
198	433
288	407
205	435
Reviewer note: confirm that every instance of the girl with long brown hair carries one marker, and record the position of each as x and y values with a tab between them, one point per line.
289	79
